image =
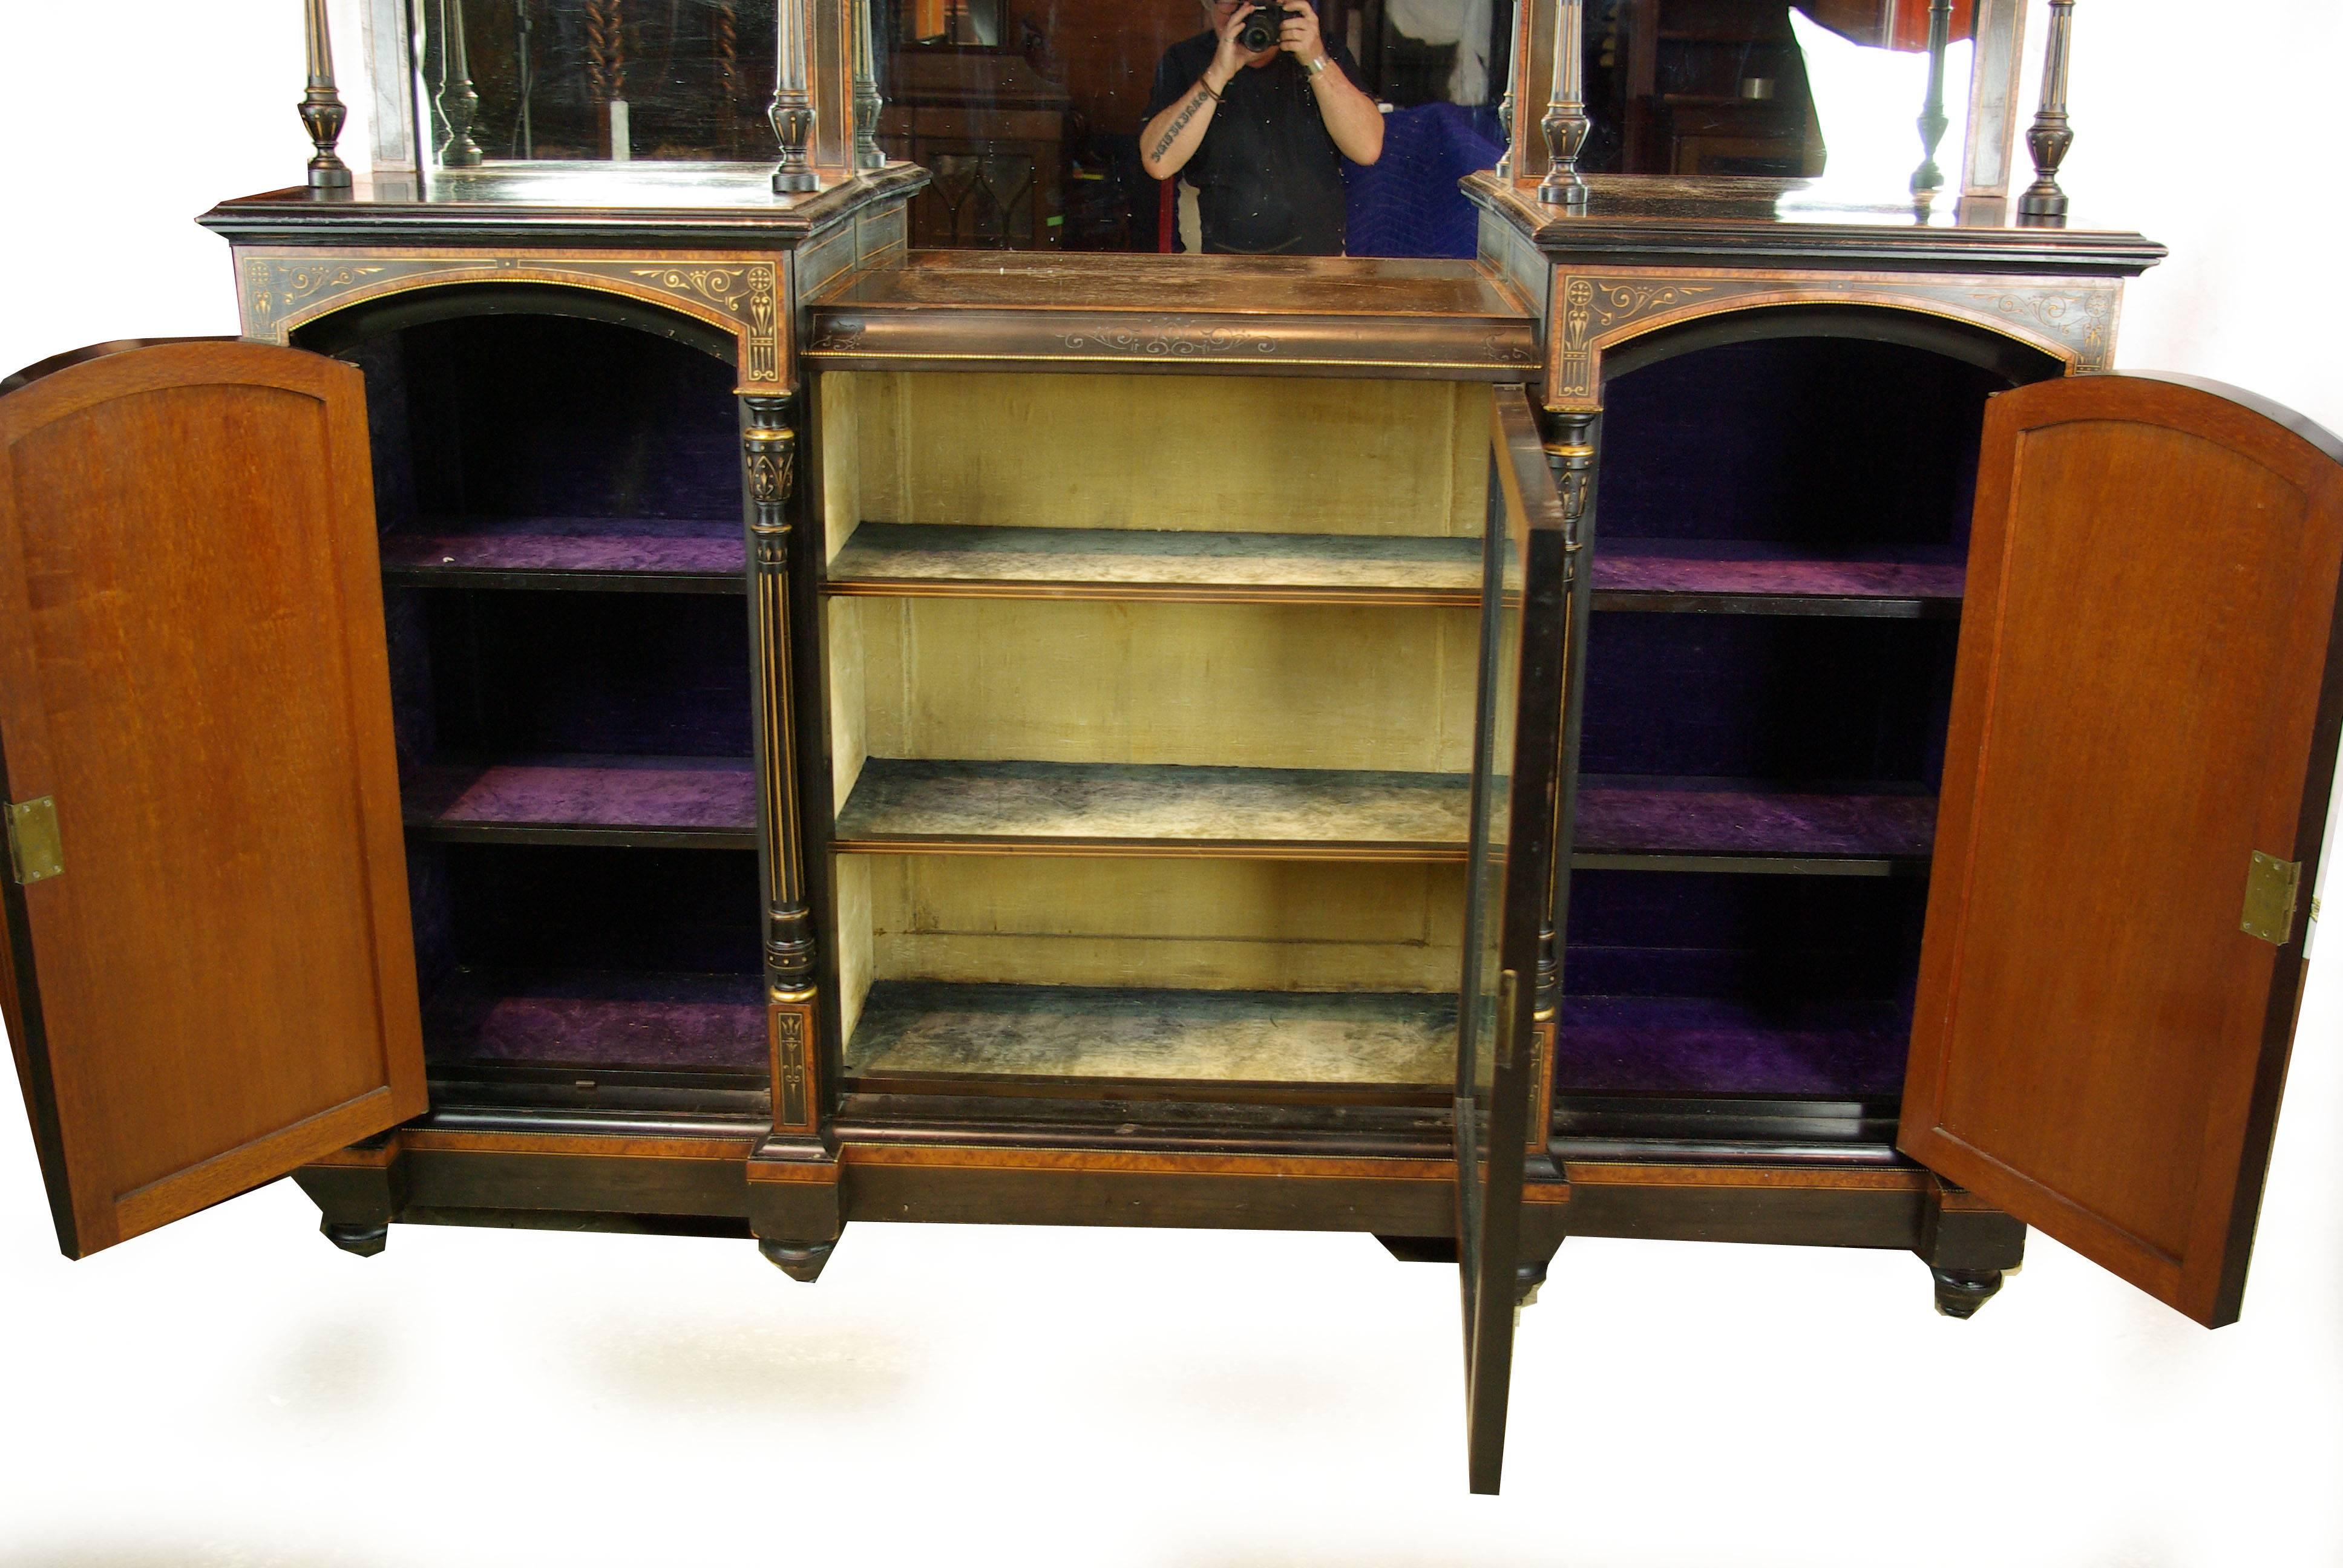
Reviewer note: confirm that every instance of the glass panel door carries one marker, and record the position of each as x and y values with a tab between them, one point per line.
1517	765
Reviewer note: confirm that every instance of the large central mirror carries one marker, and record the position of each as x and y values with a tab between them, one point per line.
1040	120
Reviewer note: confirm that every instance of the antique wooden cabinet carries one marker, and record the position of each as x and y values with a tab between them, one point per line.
689	716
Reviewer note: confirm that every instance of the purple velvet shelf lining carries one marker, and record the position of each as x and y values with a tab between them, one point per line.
1706	567
684	795
1696	1045
634	546
1693	817
598	1019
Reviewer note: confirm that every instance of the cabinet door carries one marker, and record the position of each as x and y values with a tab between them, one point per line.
2144	726
1515	767
211	975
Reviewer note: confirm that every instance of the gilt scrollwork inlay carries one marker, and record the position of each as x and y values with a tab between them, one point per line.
278	288
1594	307
1169	337
747	292
2073	321
2082	318
838	337
281	292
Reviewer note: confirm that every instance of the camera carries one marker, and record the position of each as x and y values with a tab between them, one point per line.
1258	32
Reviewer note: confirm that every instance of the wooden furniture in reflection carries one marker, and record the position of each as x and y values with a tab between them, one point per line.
991	131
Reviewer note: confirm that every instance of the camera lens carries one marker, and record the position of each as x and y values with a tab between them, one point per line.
1259	30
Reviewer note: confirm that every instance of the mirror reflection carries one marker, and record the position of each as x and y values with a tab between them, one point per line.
1292	127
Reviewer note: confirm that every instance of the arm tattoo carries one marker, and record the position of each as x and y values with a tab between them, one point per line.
1188	112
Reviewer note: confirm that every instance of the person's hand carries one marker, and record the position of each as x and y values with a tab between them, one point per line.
1299	37
1232	57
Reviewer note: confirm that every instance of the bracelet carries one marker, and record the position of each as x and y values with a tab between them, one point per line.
1208	87
1318	67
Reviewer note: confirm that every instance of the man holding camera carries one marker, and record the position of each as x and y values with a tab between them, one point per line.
1258	114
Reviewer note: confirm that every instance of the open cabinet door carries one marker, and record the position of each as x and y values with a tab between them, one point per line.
1515	767
2144	726
210	972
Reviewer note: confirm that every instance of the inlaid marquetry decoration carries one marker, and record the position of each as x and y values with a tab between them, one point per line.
795	1106
281	290
2072	320
1169	337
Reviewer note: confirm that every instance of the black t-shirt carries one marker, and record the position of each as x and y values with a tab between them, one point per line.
1268	178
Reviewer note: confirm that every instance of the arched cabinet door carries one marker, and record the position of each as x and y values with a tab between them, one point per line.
2143	742
208	970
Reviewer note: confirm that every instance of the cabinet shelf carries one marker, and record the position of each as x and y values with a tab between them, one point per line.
914	807
598	1020
643	555
1702	1045
928	559
1703	824
942	1033
1751	578
674	802
900	807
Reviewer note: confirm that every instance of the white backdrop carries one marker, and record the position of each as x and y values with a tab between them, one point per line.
234	1391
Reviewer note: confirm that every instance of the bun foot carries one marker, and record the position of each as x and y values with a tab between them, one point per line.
1527	1278
801	1261
1961	1292
364	1240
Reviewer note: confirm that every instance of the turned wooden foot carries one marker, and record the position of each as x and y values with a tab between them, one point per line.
364	1240
801	1261
1527	1278
1961	1292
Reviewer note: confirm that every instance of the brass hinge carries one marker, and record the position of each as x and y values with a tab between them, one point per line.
34	850
2272	887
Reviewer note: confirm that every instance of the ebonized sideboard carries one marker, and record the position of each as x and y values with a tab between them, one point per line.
694	716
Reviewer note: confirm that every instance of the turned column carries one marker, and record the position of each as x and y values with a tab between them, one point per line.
1928	179
322	112
867	101
1566	123
1570	456
769	461
2044	204
458	102
792	111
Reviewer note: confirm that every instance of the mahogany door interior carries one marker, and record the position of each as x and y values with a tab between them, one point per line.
2143	737
211	965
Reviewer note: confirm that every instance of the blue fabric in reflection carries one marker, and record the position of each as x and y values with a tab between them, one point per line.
1406	203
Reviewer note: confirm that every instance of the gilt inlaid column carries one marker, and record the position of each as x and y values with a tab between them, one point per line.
1570	455
768	464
